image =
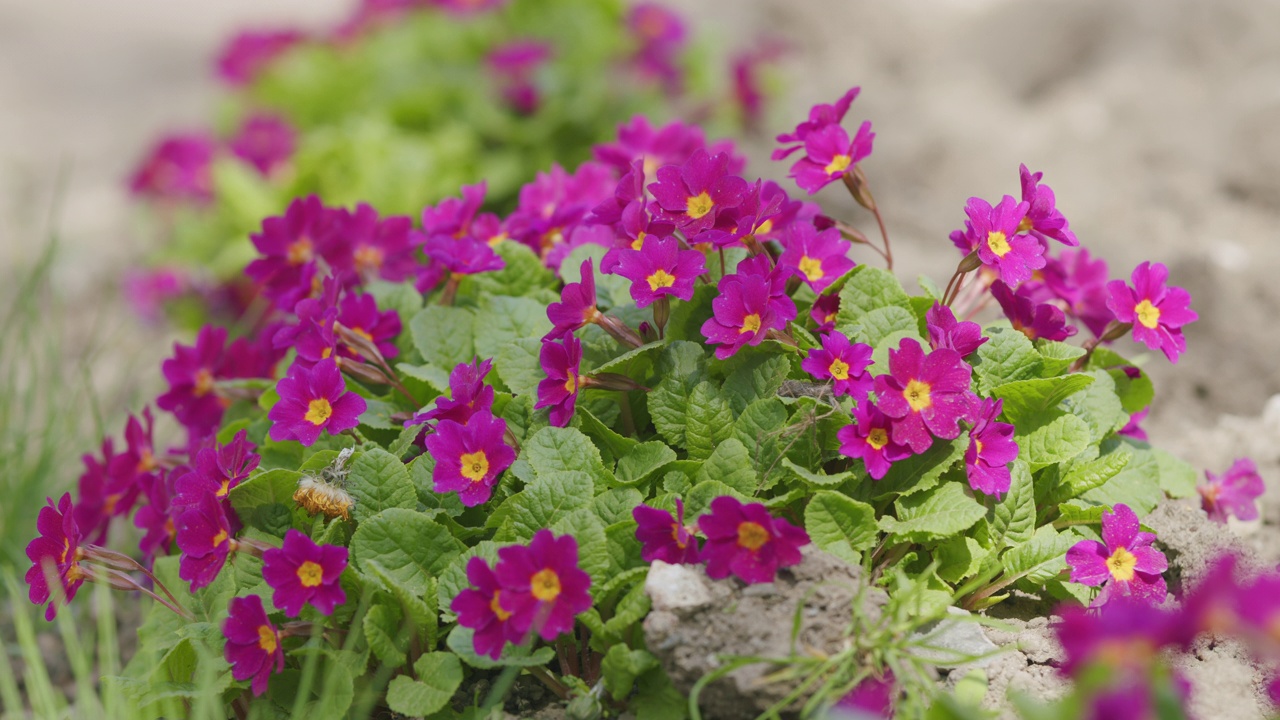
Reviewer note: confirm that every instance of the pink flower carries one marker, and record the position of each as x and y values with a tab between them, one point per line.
463	256
177	168
746	541
216	470
1156	311
1125	564
55	553
468	395
311	401
672	144
1035	320
193	371
556	203
577	306
743	315
514	64
820	116
824	312
1133	428
250	52
479	607
695	194
664	537
925	394
543	587
301	572
660	269
1043	219
869	438
991	449
946	332
993	233
560	360
155	518
360	315
1081	282
830	155
290	247
819	258
469	458
453	217
872	698
843	362
370	247
1124	636
203	534
265	141
1233	493
253	643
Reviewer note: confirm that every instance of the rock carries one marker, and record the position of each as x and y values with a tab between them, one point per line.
956	637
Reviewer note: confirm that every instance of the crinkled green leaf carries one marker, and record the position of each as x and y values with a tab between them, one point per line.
621	666
378	481
555	495
1177	477
553	450
938	513
699	497
1135	393
708	420
1040	558
1057	441
631	362
1007	356
525	275
916	473
382	630
443	335
1099	406
730	464
418	607
688	317
759	429
411	547
616	505
1057	356
842	526
631	609
439	676
959	558
503	319
1082	477
253	499
883	322
1137	485
518	366
1013	519
869	288
1030	404
593	547
643	462
758	376
615	444
816	479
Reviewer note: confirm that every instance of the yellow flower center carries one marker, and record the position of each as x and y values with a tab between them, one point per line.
838	165
496	240
1122	565
811	268
877	438
839	369
638	243
220	538
299	251
222	491
474	466
1025	225
496	606
203	383
362	333
1148	314
368	258
765	227
998	243
146	462
750	324
318	411
829	317
310	574
699	205
752	536
267	639
545	585
571	385
917	395
661	279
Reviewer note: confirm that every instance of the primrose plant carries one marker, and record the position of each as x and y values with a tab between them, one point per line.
444	455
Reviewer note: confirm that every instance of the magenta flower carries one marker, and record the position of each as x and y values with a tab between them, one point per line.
155	518
468	395
660	268
359	314
946	332
265	141
203	533
1156	311
301	572
177	168
672	144
844	362
556	203
868	438
829	155
147	290
469	7
314	400
1133	428
514	65
453	217
1124	636
192	372
744	314
775	277
925	394
872	698
480	608
824	312
253	643
314	337
660	34
758	216
371	247
694	195
469	458
1232	493
663	537
1081	282
559	390
216	470
1043	219
820	116
54	553
820	258
1124	563
1035	320
993	233
99	494
745	540
250	52
544	589
290	247
577	306
463	256
991	449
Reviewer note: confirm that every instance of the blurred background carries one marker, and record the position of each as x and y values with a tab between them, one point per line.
1156	122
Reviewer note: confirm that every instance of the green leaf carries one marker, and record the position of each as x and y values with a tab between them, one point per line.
1057	356
265	497
518	366
1013	519
631	361
613	443
1058	441
621	666
593	546
378	481
643	462
656	698
1135	393
688	317
1030	404
382	630
611	290
553	450
454	578
1177	476
1082	477
881	323
1137	485
616	504
730	464
630	610
959	558
916	473
523	275
869	288
1006	357
938	513
461	642
443	335
840	525
554	496
708	420
1039	559
699	497
411	547
418	607
816	479
759	376
502	320
1079	512
439	676
1099	406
